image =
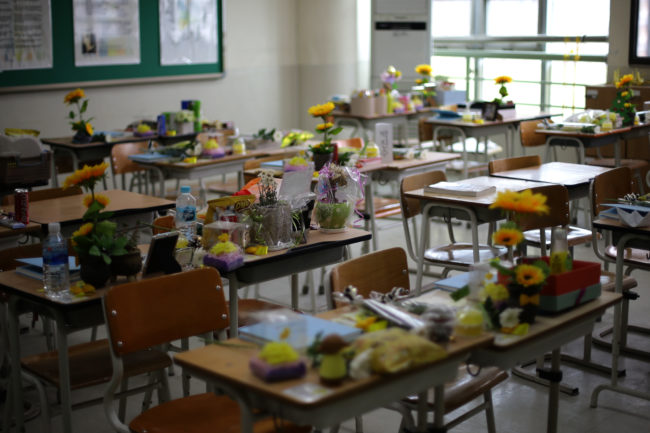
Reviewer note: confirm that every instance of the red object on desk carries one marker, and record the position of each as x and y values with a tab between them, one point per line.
583	274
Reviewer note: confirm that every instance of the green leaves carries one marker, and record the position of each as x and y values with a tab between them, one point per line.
71	114
84	106
336	131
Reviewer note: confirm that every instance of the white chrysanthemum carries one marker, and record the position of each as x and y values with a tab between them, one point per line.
509	318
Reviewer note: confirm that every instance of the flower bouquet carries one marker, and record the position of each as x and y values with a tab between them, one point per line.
390	77
337	192
271	218
84	130
426	89
95	241
296	138
503	92
297	163
323	151
621	103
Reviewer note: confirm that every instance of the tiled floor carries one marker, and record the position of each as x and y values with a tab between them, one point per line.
520	406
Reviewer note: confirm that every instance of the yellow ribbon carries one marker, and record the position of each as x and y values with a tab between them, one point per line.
525	299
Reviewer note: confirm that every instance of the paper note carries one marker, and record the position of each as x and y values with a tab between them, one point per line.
307	392
384	140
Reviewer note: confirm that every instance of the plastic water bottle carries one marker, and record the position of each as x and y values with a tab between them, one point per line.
56	276
186	213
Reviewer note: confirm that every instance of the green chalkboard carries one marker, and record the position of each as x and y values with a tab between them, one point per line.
149	69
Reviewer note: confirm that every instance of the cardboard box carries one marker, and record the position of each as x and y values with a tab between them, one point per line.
362	106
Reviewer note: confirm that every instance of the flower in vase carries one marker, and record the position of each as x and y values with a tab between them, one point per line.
621	103
100	198
529	275
326	127
497	292
322	109
390	77
502	81
508	236
81	126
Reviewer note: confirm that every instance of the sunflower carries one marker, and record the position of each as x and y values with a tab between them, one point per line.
497	292
84	230
100	198
419	81
423	69
506	200
321	110
74	96
624	80
324	126
89	129
508	237
532	203
503	79
529	275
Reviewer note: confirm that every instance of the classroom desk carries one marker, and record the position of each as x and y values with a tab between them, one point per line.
127	206
368	123
507	127
84	152
583	141
227	368
321	249
26	295
575	177
625	237
474	209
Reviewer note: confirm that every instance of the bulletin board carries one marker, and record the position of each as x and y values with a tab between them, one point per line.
65	74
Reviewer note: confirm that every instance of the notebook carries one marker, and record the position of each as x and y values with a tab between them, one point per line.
303	330
460	188
148	157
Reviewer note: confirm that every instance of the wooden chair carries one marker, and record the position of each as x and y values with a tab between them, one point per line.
381	271
122	165
606	187
558	201
530	138
135	324
45	194
455	255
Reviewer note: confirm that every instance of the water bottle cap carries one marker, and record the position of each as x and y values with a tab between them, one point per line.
53	228
186	189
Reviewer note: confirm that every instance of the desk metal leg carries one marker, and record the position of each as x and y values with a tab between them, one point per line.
64	374
370	208
295	303
233	288
613	386
422	246
16	380
53	172
554	392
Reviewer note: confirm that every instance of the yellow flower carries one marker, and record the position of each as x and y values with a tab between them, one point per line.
497	292
89	129
278	352
625	93
324	126
100	198
182	242
223	248
298	161
508	237
398	74
503	79
84	230
627	105
524	201
423	69
86	175
223	237
529	275
419	81
74	96
321	110
625	79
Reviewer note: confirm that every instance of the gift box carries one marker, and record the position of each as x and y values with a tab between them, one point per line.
362	106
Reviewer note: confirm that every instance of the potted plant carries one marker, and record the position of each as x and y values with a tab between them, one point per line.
337	192
323	152
95	241
82	127
271	218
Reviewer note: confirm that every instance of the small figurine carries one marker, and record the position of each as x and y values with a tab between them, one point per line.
333	367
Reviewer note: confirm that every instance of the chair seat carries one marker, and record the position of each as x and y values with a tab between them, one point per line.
384	207
633	256
634	164
230	186
608	281
461	254
203	413
466	387
90	364
472	166
575	236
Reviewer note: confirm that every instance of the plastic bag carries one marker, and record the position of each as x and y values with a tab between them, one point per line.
338	191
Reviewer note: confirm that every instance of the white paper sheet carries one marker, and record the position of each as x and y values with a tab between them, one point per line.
25	34
106	32
188	32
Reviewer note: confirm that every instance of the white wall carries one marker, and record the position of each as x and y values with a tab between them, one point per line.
259	89
619	40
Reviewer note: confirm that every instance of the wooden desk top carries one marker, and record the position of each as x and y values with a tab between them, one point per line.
616	225
229	363
563	173
6	232
586	135
342	115
70	209
67	142
501	183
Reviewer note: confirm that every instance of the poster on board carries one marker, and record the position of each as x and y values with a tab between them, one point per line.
188	32
25	34
106	32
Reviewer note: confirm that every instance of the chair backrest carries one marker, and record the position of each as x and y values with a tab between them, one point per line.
557	200
163	224
256	162
45	194
158	310
528	136
120	157
410	206
8	256
379	271
608	186
425	130
514	163
354	142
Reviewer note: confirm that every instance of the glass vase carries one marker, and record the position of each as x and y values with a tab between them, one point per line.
333	217
272	226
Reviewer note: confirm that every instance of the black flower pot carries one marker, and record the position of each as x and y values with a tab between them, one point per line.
94	270
82	137
128	264
320	159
